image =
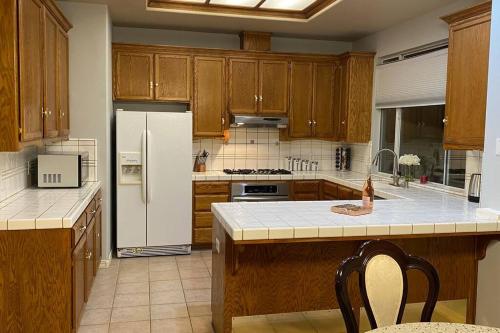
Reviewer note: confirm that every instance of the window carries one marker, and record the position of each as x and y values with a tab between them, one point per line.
419	130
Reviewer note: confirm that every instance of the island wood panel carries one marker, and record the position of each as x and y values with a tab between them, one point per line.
243	86
273	87
301	94
172	77
133	75
300	276
209	96
63	82
50	114
467	79
31	35
323	99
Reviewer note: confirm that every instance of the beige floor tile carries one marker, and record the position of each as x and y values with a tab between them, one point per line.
132	288
94	329
326	321
130	327
194	263
128	300
258	324
157	286
103	289
199	309
169	311
105	279
167	297
178	325
203	283
96	316
164	275
135	313
162	260
291	323
160	267
97	301
198	295
202	324
194	273
136	276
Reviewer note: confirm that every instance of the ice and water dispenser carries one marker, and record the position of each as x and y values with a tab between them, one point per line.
130	168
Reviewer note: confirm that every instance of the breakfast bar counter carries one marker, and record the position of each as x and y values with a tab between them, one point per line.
279	257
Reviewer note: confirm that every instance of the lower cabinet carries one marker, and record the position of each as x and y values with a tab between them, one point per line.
78	275
305	190
89	258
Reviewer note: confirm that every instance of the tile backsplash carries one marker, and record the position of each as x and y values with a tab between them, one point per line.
14	171
261	148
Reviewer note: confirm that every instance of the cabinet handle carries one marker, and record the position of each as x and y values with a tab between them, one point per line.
100	200
98	234
260	98
156	84
223	121
314	122
343	122
445	121
256	98
150	84
310	123
82	228
93	212
88	255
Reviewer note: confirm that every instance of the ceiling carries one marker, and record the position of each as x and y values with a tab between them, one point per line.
346	20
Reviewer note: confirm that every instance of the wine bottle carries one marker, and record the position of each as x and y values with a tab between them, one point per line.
368	193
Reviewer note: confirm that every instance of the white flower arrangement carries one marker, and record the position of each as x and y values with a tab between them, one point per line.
409	159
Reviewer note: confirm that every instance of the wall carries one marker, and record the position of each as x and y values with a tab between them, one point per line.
225	41
416	32
489	268
90	90
14	171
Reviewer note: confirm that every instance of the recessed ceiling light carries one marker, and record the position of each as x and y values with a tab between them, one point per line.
287	4
236	3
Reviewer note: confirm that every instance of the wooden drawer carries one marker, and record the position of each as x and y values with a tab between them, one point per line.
357	195
306	196
211	188
345	193
330	190
98	199
90	211
306	186
203	202
203	220
328	197
79	228
202	236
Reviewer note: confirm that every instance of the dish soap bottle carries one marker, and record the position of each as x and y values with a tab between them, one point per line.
368	193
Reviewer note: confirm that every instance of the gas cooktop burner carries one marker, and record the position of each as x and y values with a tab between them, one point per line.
257	172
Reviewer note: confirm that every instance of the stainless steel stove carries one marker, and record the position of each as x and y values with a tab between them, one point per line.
257	172
256	192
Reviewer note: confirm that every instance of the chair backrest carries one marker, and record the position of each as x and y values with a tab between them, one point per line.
383	284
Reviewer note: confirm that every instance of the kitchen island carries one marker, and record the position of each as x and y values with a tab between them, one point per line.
282	257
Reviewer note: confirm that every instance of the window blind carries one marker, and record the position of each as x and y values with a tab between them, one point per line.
412	82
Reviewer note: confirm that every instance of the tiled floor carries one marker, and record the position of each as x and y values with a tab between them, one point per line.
172	294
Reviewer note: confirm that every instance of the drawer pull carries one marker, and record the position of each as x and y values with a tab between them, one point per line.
82	228
88	255
93	212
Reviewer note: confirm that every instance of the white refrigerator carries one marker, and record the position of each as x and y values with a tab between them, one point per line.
154	189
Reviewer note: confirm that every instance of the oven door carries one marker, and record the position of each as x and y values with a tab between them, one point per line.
262	198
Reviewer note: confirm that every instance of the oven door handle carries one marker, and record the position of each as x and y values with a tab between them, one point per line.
259	198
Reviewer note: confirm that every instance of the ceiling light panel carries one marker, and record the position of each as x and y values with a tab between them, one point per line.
287	4
191	1
236	3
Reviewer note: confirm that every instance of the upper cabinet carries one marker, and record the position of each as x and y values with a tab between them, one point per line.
34	100
145	76
466	90
258	86
354	77
323	93
301	94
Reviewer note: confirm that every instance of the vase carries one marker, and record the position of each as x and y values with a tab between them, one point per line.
409	174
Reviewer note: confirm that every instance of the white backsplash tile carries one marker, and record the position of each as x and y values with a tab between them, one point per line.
14	171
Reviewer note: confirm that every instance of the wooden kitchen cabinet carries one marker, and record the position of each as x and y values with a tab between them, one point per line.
466	90
89	258
172	77
353	117
243	86
273	87
301	95
209	106
98	240
78	276
322	110
134	75
305	190
63	82
30	83
329	191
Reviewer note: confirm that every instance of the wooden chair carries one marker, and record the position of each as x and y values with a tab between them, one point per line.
383	284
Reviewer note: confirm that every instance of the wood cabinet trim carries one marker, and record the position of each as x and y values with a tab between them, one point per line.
471	12
58	14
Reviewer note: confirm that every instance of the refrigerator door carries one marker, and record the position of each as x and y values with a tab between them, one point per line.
131	194
169	194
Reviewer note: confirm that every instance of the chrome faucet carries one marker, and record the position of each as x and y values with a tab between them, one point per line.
395	168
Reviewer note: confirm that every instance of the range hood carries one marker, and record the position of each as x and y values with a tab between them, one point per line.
257	121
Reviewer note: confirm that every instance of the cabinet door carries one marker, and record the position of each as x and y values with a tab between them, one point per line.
78	282
243	86
172	77
31	36
50	115
134	76
273	95
323	100
301	91
345	193
63	82
98	240
467	85
340	101
89	259
209	96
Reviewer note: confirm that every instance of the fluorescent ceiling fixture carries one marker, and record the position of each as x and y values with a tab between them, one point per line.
287	4
195	1
236	3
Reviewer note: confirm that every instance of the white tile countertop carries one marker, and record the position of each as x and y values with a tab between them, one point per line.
35	208
417	210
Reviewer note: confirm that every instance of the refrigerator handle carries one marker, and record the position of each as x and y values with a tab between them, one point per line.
148	165
143	168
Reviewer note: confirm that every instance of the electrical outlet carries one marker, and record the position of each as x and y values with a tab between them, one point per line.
498	147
